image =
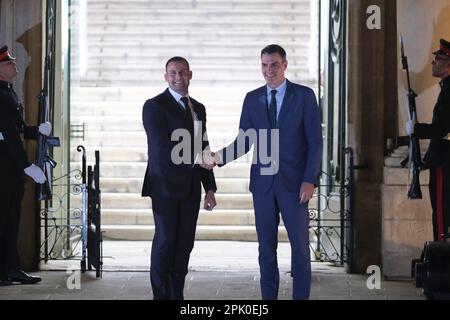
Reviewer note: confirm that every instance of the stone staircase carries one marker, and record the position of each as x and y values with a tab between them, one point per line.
128	43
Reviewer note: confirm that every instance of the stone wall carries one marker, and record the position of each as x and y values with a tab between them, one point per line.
406	223
371	99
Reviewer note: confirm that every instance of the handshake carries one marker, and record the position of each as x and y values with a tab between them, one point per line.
208	159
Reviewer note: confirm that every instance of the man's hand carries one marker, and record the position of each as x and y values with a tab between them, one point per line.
35	173
409	127
306	192
208	160
210	201
45	128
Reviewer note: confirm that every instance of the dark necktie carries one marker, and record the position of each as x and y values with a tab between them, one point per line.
187	110
273	109
188	114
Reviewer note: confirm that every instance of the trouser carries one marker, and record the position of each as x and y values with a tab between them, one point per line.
296	221
175	224
11	192
439	187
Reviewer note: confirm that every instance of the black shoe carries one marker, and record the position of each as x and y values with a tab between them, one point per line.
22	277
4	281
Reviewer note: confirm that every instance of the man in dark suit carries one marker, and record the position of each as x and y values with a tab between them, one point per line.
13	165
284	118
437	158
173	179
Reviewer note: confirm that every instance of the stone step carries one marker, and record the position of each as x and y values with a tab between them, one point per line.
134	74
138	154
109	58
195	20
203	232
223	13
128	45
217	217
157	30
219	46
225	77
117	132
142	93
134	80
123	154
134	185
99	139
200	4
136	201
126	138
137	170
83	109
295	57
95	78
155	72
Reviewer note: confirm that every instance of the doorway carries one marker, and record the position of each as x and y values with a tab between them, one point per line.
114	60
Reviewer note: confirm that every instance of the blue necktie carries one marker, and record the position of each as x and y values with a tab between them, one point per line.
273	110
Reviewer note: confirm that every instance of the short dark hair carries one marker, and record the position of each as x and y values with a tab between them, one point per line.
178	59
274	48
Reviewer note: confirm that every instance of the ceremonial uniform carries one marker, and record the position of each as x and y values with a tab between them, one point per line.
437	158
13	161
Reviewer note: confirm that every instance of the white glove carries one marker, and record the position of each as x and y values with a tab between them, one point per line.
409	127
45	128
35	173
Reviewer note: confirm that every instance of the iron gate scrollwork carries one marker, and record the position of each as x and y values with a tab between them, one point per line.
75	233
61	225
331	219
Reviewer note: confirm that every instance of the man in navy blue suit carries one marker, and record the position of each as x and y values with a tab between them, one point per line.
283	118
172	180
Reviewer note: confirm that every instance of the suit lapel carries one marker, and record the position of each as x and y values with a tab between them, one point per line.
196	110
199	119
263	108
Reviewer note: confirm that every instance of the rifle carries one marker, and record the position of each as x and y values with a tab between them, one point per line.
44	160
45	144
414	158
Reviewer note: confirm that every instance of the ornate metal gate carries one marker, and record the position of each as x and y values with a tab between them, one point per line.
74	232
331	219
331	211
70	218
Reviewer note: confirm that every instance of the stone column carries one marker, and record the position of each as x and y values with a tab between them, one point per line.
371	107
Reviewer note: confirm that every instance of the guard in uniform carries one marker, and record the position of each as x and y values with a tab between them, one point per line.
13	165
437	158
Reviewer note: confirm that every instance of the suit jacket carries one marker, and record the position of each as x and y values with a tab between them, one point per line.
438	153
162	115
300	138
12	126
